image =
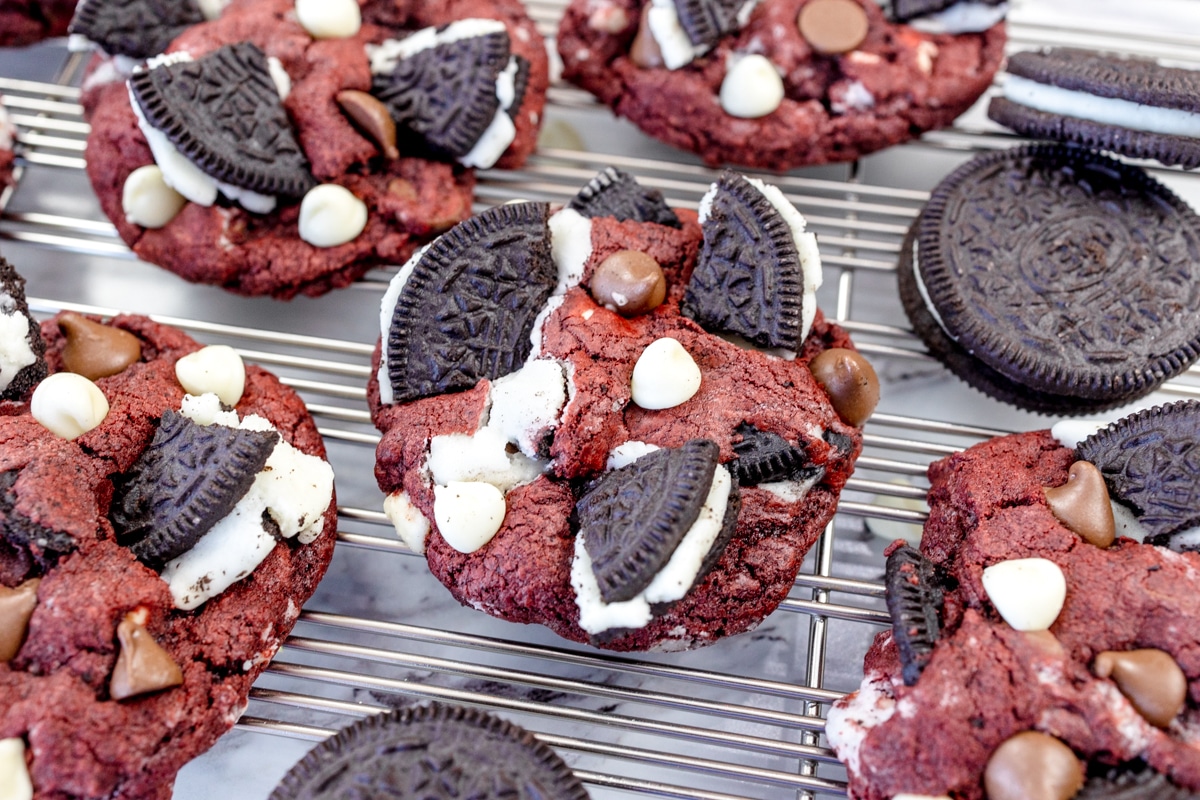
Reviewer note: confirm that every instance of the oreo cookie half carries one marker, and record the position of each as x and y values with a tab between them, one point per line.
633	518
434	752
134	28
914	600
758	272
189	478
468	305
763	457
614	193
1055	279
23	361
1131	106
706	21
223	112
1151	463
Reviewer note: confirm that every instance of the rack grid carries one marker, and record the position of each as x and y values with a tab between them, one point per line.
742	719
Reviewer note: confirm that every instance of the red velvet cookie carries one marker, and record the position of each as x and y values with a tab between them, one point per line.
1038	649
155	550
281	149
610	419
778	84
27	21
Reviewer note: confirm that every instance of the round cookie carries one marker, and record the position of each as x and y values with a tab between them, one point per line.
24	22
1093	684
433	751
1055	279
738	82
339	182
637	479
118	665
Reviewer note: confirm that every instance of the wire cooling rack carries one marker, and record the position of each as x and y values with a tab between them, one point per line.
741	719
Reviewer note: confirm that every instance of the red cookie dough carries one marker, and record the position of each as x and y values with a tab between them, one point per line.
28	21
409	200
897	84
523	573
55	693
987	681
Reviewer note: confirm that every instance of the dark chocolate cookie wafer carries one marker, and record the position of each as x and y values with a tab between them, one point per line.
614	193
432	752
1055	279
1132	106
135	28
23	363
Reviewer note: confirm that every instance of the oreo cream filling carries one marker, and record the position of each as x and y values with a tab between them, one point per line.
676	47
965	17
924	292
1105	110
293	490
16	352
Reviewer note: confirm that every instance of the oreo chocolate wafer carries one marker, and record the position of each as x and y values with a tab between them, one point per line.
134	28
1132	106
614	193
432	752
1055	279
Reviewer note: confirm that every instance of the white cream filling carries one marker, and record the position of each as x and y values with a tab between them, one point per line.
673	42
293	488
1070	432
411	525
792	491
500	133
933	312
387	309
385	55
671	583
1105	110
964	17
15	350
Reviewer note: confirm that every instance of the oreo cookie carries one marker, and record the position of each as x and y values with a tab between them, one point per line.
1132	106
222	111
615	193
1150	462
706	21
633	518
763	457
905	10
37	543
1055	279
755	276
189	478
1133	781
468	305
133	28
914	600
23	362
435	752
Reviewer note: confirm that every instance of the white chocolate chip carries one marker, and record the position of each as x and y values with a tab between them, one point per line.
468	513
14	775
217	369
752	87
147	200
331	215
68	405
329	19
1028	592
665	375
411	525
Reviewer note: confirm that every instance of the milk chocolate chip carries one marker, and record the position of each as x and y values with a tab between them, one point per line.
1033	766
94	350
1151	680
850	381
833	27
373	117
629	282
16	607
1082	504
143	666
645	51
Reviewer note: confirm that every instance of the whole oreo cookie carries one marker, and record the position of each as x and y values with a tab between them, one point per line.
608	474
777	84
1055	279
273	152
1132	106
432	752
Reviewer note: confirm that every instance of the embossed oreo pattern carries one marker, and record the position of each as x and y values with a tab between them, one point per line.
1138	80
763	456
134	28
706	21
1064	270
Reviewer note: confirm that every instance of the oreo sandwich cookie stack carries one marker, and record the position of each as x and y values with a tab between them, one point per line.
1053	277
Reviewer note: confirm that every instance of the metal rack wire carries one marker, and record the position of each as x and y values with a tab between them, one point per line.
740	720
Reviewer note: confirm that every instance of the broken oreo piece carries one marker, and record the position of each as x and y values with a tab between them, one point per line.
914	601
445	96
764	457
749	278
1132	781
1150	462
706	21
222	111
904	10
633	518
44	545
134	28
467	308
614	193
23	363
189	478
